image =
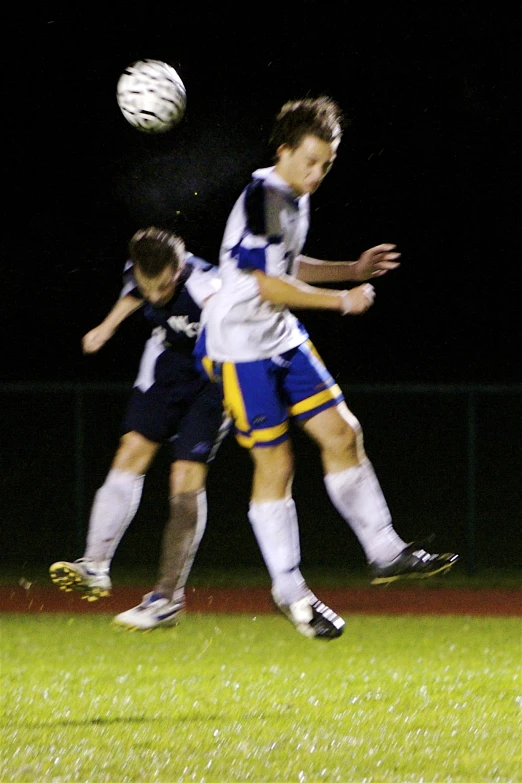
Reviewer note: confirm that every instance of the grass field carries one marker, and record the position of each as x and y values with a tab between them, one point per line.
241	698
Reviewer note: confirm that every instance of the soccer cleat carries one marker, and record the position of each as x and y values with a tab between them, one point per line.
412	563
82	576
311	617
155	611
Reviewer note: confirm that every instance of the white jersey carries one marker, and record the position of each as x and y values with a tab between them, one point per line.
266	230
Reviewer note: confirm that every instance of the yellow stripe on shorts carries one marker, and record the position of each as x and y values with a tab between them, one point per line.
316	401
233	399
261	436
208	366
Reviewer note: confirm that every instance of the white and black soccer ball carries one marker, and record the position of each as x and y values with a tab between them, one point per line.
151	96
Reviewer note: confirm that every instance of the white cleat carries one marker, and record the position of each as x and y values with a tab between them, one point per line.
311	617
155	611
82	576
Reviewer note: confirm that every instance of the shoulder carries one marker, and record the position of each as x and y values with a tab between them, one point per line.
202	279
264	202
130	287
194	263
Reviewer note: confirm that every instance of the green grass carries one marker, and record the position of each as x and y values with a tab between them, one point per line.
241	698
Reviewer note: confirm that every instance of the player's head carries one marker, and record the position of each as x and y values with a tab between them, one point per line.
158	257
305	136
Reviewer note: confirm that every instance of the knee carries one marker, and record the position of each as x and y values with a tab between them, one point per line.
186	476
351	432
134	453
345	439
273	469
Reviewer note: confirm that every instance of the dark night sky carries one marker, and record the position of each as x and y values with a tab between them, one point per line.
429	161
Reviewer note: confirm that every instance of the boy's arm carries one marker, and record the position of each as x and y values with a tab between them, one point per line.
292	293
97	337
374	262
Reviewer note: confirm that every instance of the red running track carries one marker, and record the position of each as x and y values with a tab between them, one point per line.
33	599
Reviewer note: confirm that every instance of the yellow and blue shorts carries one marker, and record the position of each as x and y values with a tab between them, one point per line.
263	395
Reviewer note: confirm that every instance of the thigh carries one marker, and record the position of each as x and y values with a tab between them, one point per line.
252	393
308	386
338	435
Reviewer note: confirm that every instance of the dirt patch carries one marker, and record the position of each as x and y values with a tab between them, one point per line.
31	599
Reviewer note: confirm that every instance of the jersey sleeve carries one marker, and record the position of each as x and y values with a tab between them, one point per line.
204	280
129	285
262	245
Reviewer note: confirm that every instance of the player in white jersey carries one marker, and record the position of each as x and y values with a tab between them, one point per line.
170	403
262	357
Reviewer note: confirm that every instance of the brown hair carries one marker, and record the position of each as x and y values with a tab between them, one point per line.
319	117
152	249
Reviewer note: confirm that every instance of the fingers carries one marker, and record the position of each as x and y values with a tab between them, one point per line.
382	249
369	292
386	252
385	259
358	300
381	267
387	263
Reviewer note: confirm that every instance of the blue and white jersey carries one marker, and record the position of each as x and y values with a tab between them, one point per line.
168	353
266	230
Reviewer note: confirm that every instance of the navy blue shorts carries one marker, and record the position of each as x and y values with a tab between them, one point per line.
187	415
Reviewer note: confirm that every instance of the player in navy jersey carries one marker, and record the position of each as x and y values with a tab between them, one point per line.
170	403
253	346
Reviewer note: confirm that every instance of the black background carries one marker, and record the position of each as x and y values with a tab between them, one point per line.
430	160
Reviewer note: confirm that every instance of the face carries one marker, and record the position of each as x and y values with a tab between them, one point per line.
158	290
305	167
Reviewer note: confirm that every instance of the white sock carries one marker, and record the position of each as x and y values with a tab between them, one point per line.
276	529
357	496
115	505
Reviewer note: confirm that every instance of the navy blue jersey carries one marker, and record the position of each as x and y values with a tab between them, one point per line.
176	324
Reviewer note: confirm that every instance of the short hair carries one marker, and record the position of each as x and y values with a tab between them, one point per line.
319	117
152	249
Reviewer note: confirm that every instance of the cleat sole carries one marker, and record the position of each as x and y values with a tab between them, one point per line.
69	581
386	580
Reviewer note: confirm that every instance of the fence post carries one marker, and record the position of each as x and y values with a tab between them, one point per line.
472	482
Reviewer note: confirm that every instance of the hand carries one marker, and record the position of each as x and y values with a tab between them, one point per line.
376	261
96	338
358	300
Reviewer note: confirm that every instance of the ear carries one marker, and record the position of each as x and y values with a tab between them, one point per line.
282	149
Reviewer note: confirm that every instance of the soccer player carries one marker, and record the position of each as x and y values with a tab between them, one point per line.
170	402
256	349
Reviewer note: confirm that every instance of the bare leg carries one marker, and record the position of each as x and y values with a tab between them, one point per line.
184	529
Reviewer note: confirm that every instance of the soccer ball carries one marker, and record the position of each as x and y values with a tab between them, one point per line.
151	96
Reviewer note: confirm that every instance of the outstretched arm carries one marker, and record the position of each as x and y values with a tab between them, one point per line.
374	262
97	337
292	293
